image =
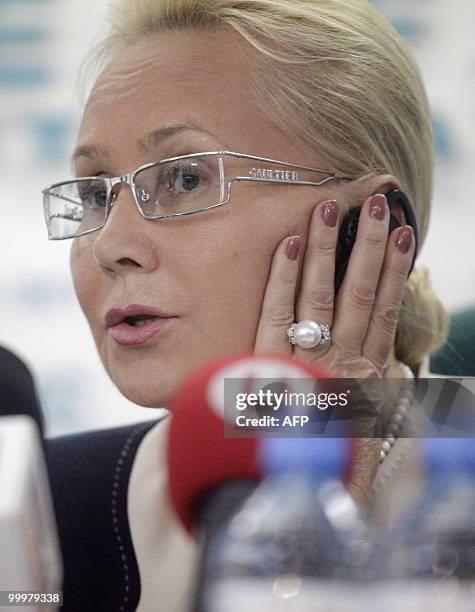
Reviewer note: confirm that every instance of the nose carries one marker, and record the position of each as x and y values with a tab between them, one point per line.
124	242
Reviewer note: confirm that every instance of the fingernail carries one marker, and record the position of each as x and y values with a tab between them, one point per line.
404	239
293	248
330	213
377	208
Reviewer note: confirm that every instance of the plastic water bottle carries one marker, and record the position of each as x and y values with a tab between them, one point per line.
431	552
287	548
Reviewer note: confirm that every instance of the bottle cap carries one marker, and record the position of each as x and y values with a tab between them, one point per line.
447	455
325	457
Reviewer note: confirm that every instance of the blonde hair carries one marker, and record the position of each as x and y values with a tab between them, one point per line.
348	89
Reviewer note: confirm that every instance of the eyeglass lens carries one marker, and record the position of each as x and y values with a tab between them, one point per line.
180	186
162	190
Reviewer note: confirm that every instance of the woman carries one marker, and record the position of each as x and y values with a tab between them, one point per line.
321	92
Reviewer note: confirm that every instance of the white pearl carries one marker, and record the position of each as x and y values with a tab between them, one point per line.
391	439
398	419
405	402
403	411
307	334
385	446
394	429
382	456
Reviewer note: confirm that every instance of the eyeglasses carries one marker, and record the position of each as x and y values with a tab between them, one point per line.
167	188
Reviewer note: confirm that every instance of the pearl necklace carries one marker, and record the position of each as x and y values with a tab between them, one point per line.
399	415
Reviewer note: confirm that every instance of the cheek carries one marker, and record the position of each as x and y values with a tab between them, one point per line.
84	274
231	274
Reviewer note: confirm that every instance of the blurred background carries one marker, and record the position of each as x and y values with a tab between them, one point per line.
42	44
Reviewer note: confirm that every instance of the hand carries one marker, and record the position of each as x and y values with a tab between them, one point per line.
363	318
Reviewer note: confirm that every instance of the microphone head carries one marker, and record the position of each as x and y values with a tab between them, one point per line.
17	388
199	455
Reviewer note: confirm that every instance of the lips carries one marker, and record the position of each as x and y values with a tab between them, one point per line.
136	324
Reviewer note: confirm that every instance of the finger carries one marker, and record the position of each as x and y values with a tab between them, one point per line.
381	333
315	301
279	299
357	294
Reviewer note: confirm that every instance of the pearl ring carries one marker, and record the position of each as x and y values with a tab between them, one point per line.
309	334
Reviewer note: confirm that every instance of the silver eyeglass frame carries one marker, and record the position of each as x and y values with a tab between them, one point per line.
258	175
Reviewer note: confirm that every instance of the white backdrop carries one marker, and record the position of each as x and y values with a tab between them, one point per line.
41	47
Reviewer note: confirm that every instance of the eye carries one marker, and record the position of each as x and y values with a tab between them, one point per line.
93	194
182	179
100	198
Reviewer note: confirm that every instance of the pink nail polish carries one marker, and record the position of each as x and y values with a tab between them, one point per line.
377	208
404	239
293	248
329	212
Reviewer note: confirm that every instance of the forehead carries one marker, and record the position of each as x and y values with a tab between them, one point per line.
204	76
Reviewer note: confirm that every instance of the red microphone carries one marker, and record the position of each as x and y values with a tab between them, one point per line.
211	475
201	459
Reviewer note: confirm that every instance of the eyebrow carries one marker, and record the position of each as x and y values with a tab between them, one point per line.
144	145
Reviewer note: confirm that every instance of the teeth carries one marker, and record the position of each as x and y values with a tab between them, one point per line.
139	320
142	322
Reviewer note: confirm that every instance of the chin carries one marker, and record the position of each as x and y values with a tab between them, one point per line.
146	385
152	395
144	377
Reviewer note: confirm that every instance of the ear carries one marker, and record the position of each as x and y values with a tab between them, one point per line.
382	183
359	192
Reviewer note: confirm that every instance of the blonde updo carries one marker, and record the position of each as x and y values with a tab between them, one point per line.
423	322
345	85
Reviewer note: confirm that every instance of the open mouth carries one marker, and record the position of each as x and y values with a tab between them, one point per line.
140	320
135	329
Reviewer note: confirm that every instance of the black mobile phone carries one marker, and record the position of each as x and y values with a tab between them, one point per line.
349	227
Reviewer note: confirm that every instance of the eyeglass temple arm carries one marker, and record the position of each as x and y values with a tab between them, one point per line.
286	182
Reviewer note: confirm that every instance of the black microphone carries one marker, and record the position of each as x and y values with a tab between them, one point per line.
27	523
17	389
